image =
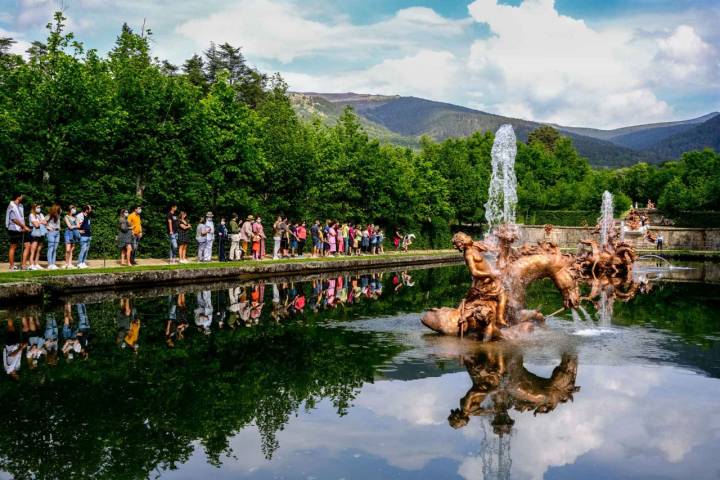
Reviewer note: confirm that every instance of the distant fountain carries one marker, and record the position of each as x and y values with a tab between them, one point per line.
607	219
502	194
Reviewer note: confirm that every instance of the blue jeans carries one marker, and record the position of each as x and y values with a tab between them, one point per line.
84	249
173	237
53	239
84	323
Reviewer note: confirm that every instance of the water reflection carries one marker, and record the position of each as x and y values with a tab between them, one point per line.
500	383
263	377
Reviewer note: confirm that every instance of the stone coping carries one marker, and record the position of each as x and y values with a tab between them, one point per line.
60	285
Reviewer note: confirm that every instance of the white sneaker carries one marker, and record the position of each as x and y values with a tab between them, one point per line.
82	265
52	267
39	267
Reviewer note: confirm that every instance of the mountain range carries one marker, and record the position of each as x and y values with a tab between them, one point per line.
403	120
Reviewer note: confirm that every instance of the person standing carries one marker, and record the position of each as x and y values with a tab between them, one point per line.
234	231
346	238
301	234
659	242
72	235
292	235
183	236
85	230
210	237
315	237
332	239
222	235
38	223
246	236
136	225
53	235
258	239
340	238
171	220
352	235
277	233
125	238
201	238
17	230
284	238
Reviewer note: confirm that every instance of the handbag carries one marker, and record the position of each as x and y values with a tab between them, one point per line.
39	232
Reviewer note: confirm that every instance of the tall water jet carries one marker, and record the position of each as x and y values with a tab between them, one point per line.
502	194
607	219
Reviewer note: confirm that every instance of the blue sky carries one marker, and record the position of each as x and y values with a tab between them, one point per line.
590	63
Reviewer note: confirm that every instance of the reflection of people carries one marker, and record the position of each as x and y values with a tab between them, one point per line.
51	339
128	325
204	311
12	351
500	382
36	343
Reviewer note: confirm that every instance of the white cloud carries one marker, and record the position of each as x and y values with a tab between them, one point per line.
551	67
20	46
284	31
428	74
686	57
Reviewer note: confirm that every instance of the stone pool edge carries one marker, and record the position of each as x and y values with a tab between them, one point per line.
11	292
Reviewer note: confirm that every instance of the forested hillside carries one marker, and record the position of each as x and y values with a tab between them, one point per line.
403	120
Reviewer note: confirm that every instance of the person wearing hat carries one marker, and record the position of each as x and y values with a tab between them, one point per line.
246	234
234	230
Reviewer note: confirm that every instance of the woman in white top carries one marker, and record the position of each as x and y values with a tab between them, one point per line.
38	223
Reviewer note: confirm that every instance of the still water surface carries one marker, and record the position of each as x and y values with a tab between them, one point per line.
336	378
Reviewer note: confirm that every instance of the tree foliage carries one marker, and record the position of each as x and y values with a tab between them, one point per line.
76	127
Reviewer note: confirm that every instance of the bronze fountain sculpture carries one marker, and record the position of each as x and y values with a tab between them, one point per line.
494	307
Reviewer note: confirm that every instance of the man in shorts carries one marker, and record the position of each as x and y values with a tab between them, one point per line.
17	229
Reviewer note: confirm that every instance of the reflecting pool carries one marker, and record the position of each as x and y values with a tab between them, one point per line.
334	377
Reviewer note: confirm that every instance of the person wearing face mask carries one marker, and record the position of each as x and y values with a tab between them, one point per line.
136	226
210	237
85	236
17	230
72	235
125	238
38	222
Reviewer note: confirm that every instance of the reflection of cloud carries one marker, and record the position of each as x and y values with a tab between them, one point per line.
418	402
635	419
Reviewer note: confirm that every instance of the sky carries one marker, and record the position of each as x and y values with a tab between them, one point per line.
594	63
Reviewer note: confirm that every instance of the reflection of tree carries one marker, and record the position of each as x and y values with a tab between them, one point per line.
501	383
120	416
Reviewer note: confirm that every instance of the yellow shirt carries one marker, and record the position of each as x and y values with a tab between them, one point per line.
135	223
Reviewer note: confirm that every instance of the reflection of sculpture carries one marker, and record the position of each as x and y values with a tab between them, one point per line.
501	383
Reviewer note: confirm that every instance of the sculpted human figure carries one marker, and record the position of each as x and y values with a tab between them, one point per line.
486	284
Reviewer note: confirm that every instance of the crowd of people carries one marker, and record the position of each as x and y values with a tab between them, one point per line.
240	306
236	239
